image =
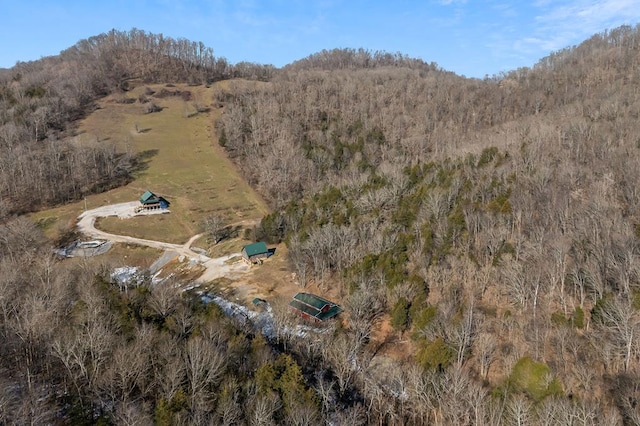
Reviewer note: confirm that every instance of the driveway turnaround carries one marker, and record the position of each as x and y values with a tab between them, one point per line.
214	268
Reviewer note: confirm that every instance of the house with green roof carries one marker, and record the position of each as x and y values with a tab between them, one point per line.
311	306
254	253
150	201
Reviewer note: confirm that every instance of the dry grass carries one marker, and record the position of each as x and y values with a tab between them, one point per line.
161	227
182	162
225	247
120	255
126	254
272	280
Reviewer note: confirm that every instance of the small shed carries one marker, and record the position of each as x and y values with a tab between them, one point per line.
254	253
311	306
149	201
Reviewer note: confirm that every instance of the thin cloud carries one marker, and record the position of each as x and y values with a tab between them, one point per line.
450	2
561	24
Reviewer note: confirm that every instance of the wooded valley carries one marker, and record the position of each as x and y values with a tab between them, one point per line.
494	224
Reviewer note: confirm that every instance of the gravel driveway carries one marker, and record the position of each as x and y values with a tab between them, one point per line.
215	268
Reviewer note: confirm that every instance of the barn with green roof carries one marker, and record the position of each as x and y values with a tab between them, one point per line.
254	253
311	306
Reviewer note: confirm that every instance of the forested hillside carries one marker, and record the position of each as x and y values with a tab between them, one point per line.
496	220
493	224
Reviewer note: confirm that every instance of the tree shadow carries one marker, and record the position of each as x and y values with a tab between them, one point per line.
230	232
153	108
141	160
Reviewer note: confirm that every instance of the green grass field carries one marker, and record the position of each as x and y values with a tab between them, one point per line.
182	162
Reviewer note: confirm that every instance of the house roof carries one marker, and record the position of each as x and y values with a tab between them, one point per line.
149	197
255	249
315	306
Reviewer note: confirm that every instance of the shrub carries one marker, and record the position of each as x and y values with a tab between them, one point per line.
435	355
400	315
420	318
35	92
578	317
487	155
599	308
534	378
558	318
152	107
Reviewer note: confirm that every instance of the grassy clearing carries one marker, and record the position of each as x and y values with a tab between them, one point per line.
126	254
165	227
227	246
182	162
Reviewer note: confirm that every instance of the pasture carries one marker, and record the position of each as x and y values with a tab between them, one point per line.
179	159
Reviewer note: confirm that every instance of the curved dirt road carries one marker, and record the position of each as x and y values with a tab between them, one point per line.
214	268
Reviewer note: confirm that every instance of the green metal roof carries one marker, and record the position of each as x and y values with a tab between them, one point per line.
312	300
148	197
258	301
315	306
255	249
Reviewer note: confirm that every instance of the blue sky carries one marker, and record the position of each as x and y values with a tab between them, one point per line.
472	38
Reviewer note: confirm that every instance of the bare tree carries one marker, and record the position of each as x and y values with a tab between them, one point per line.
126	376
204	365
229	409
621	322
423	393
342	356
485	351
518	410
214	226
325	389
170	374
261	409
132	414
355	415
164	299
365	306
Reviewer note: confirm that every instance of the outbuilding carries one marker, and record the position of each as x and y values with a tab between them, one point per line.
254	253
311	306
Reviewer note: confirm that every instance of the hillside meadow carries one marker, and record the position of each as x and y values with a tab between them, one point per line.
179	158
